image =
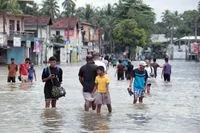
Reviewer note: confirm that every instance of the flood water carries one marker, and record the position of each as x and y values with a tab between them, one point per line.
172	107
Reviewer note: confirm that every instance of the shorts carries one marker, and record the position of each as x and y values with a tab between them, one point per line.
88	96
48	94
149	82
11	79
138	93
24	78
30	78
102	98
120	75
167	77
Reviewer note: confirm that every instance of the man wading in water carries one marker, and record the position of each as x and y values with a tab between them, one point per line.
87	75
138	82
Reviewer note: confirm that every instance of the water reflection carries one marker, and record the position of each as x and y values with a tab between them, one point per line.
95	122
171	108
52	120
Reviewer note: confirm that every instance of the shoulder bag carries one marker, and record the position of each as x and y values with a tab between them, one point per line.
57	91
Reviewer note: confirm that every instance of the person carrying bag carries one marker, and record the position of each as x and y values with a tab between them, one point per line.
52	76
57	90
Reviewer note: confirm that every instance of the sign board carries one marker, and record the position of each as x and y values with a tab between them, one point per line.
36	45
17	42
194	48
89	44
67	42
28	43
68	33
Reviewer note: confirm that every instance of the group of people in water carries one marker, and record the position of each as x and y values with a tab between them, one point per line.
26	71
94	78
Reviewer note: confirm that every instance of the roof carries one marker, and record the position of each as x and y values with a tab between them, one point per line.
33	20
12	14
159	38
189	38
65	23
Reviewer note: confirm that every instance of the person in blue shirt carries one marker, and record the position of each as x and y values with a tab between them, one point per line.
31	73
138	82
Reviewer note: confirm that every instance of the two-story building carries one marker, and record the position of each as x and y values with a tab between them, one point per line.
38	25
13	39
79	38
71	31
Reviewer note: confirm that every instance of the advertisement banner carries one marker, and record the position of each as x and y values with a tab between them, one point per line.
194	48
17	42
28	44
68	33
37	45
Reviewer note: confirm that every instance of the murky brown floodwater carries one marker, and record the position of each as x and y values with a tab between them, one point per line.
172	108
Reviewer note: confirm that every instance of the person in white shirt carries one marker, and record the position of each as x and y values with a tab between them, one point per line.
150	73
98	61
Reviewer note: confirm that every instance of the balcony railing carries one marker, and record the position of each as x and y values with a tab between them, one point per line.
23	35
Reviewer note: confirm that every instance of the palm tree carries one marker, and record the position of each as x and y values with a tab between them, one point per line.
69	7
29	7
50	8
88	12
11	6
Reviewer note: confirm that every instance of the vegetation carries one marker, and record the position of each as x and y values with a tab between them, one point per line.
127	23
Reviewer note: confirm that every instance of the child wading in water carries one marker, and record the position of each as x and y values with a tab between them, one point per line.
102	87
31	73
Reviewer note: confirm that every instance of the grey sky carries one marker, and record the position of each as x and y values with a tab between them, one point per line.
158	5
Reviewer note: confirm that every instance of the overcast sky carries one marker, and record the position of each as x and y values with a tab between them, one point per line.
158	5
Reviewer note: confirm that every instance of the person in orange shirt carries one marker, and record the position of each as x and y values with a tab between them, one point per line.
12	70
23	70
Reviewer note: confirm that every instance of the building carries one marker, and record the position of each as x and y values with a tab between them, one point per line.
68	39
91	37
79	39
13	39
38	25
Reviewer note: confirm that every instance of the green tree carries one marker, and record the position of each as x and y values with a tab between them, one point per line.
143	15
86	13
50	8
69	8
58	38
191	19
29	7
9	6
127	33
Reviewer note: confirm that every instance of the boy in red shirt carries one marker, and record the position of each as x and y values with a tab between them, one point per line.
23	70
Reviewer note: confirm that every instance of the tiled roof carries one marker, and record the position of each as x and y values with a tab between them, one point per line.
33	20
65	23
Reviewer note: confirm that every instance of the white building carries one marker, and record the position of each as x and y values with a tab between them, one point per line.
14	42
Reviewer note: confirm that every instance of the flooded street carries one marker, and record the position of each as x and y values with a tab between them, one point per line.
171	108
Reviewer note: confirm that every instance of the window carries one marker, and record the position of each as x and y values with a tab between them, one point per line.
57	33
12	26
18	25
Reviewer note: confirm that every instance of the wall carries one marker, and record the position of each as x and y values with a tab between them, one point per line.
8	18
17	53
1	23
91	34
